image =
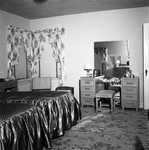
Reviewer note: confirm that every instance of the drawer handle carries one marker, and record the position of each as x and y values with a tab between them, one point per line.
87	94
129	90
129	103
10	84
129	83
87	82
87	88
129	96
87	100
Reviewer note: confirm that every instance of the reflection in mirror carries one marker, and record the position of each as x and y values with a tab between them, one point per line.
112	57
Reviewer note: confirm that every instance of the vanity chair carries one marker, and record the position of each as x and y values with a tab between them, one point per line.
106	95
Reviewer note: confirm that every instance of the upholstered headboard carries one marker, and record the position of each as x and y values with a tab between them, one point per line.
41	83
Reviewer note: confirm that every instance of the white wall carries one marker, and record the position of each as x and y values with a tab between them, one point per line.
82	30
8	19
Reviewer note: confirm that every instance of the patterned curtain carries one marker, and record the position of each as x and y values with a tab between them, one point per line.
34	46
102	53
55	40
128	50
13	46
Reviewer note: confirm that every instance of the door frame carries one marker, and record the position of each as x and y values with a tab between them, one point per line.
146	65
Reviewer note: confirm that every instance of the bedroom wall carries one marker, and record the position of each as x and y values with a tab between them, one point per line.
82	30
8	19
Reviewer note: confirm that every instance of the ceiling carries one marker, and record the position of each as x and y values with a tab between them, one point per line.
36	9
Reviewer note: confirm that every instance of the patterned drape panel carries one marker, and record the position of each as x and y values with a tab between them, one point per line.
34	46
13	47
102	53
57	46
128	50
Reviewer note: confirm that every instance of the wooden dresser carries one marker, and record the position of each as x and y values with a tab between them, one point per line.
89	87
7	86
130	93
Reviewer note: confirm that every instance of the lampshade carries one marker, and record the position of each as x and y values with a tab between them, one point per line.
117	62
88	66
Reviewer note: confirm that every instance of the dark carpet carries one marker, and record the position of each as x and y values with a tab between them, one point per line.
123	130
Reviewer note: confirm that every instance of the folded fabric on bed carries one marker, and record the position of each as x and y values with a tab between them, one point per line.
22	127
62	110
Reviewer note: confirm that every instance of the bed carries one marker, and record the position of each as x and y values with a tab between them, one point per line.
60	109
23	126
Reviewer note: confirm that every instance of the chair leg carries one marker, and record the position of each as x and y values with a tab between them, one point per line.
98	100
96	108
111	100
100	105
114	104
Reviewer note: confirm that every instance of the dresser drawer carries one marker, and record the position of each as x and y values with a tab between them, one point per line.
87	89
87	82
88	94
87	101
129	89
129	104
130	82
132	97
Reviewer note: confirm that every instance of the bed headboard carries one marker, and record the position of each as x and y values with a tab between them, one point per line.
41	83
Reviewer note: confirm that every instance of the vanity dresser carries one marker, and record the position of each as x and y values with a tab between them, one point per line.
89	86
130	93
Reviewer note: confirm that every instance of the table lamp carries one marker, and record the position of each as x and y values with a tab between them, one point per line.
88	68
117	63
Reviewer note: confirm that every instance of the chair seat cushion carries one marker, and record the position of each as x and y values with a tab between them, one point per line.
105	94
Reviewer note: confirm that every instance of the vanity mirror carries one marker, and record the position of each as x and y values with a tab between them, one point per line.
112	57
